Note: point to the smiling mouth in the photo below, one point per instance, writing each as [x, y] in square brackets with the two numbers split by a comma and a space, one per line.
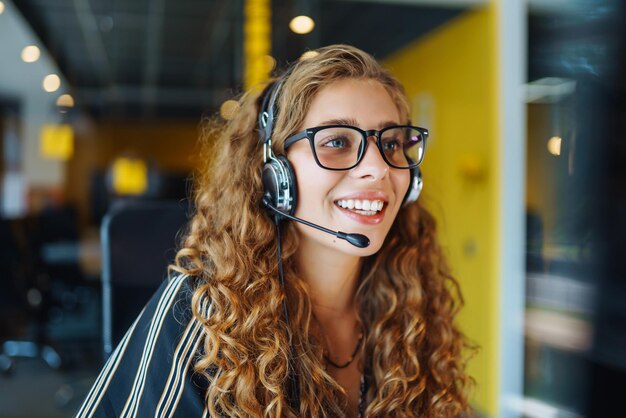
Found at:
[361, 206]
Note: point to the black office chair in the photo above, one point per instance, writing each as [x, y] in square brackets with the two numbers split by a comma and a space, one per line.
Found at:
[138, 243]
[25, 296]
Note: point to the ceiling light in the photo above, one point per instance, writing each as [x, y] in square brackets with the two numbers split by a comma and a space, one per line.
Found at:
[301, 24]
[1, 7]
[30, 53]
[229, 108]
[65, 100]
[308, 54]
[554, 145]
[51, 83]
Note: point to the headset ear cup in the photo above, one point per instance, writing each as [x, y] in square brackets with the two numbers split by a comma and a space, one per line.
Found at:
[279, 184]
[415, 187]
[291, 180]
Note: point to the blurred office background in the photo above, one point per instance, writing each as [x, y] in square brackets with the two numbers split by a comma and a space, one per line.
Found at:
[100, 110]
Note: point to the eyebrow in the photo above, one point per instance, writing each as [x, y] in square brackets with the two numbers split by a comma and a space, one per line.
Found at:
[353, 122]
[348, 121]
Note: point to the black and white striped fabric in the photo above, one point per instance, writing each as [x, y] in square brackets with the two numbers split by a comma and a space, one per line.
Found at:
[150, 373]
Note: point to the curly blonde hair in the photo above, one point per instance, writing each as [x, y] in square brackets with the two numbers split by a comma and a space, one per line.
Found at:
[406, 298]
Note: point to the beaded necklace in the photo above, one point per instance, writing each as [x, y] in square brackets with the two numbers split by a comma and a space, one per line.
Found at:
[350, 360]
[362, 395]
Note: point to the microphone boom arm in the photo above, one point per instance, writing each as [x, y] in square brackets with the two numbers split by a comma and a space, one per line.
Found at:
[358, 240]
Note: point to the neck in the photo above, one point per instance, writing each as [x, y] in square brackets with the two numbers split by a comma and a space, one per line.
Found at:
[333, 282]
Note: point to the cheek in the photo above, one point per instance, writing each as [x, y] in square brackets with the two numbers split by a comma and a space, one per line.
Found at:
[401, 182]
[311, 180]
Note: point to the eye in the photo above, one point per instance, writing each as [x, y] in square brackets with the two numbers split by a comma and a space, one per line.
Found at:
[391, 145]
[336, 142]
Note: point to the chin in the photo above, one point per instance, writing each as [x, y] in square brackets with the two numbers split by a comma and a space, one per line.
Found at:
[371, 249]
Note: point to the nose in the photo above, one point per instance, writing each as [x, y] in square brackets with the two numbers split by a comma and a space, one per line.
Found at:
[372, 165]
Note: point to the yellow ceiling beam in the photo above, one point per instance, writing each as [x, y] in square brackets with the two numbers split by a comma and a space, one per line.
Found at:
[257, 35]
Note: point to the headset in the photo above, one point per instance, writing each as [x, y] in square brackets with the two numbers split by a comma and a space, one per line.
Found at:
[278, 176]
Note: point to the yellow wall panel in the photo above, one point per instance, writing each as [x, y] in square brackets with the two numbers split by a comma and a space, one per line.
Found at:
[451, 77]
[57, 141]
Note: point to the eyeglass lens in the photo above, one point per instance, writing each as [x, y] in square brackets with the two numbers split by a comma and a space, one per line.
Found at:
[339, 147]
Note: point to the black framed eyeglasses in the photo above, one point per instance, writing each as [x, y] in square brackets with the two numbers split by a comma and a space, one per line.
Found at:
[342, 147]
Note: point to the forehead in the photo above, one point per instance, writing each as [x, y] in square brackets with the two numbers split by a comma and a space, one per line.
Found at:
[366, 102]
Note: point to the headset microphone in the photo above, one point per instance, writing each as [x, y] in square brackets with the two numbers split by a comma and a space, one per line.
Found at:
[358, 240]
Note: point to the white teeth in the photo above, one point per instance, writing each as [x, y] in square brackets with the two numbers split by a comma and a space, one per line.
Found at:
[363, 207]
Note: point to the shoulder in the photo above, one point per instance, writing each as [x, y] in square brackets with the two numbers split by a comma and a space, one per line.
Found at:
[172, 304]
[150, 373]
[172, 301]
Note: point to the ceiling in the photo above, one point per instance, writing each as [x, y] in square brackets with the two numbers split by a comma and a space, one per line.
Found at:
[167, 58]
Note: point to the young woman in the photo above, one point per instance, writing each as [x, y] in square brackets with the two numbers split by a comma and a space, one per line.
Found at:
[270, 317]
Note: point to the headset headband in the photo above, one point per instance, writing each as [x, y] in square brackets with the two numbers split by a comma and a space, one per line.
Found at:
[267, 114]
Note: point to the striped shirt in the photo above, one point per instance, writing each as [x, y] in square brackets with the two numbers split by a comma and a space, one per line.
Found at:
[150, 373]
